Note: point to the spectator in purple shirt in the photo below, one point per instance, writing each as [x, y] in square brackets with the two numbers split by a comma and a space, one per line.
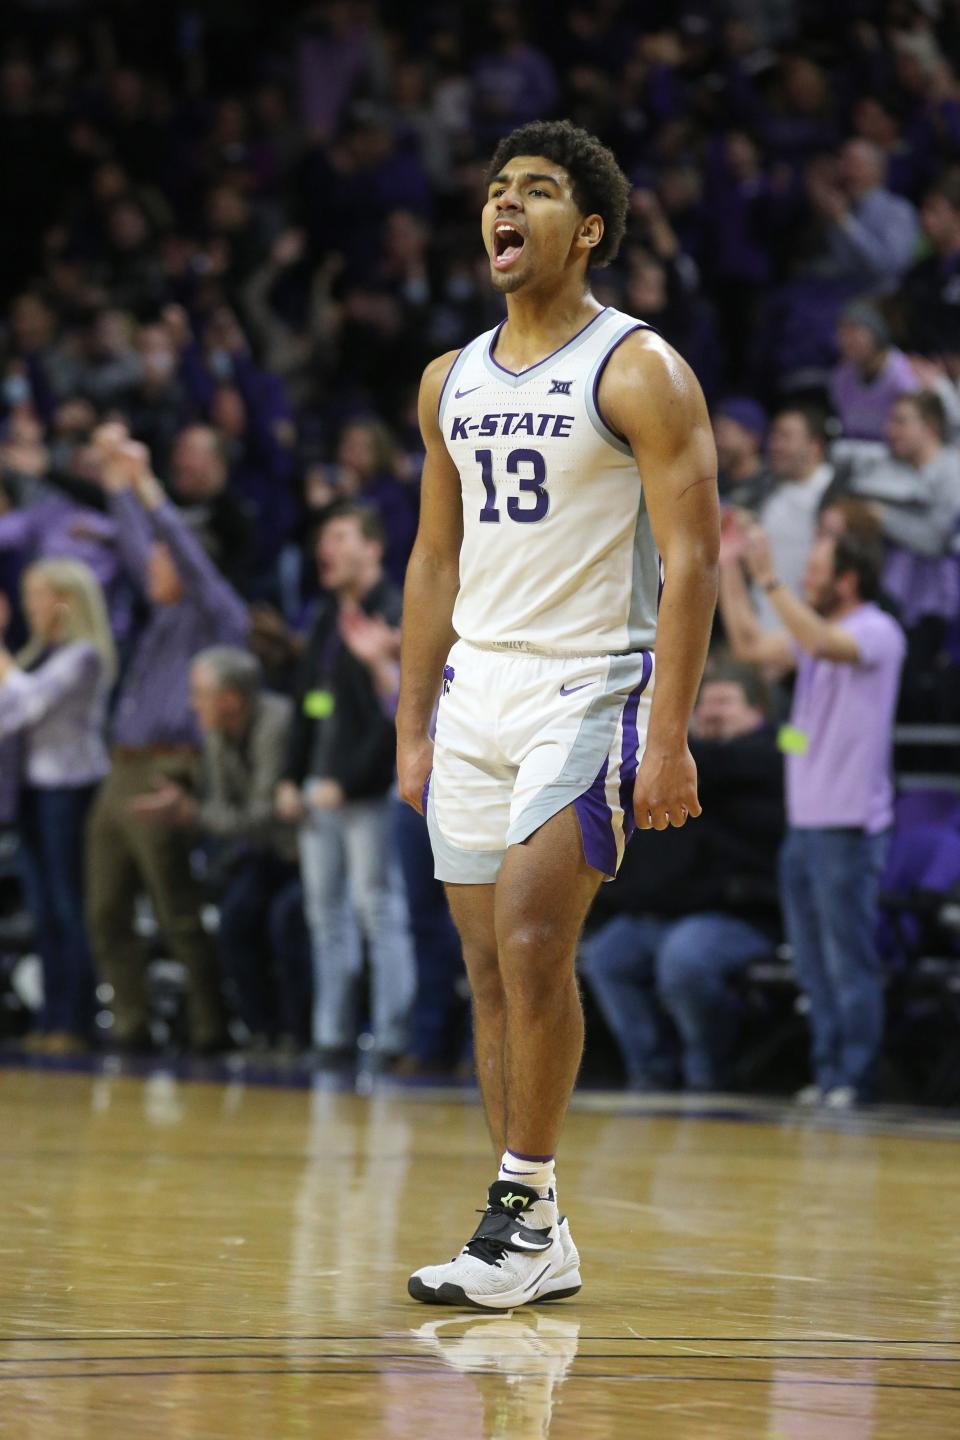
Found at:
[155, 739]
[848, 654]
[53, 698]
[872, 373]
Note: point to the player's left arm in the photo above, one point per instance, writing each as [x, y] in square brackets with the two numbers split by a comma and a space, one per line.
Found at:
[651, 396]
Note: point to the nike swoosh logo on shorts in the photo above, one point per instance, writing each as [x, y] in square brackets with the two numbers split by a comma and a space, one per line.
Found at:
[574, 688]
[459, 394]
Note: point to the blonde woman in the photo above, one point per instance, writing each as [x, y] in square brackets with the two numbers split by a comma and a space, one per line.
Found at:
[53, 697]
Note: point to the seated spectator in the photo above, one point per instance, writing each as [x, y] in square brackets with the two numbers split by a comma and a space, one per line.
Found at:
[880, 119]
[738, 260]
[871, 374]
[198, 480]
[694, 913]
[42, 358]
[868, 234]
[848, 655]
[109, 363]
[513, 81]
[154, 738]
[929, 297]
[155, 403]
[368, 473]
[917, 494]
[249, 410]
[797, 457]
[663, 293]
[253, 857]
[53, 695]
[337, 786]
[856, 239]
[740, 429]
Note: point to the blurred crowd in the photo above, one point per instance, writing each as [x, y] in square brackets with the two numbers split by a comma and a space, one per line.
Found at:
[240, 233]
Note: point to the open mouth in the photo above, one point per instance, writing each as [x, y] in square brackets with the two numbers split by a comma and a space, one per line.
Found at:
[507, 244]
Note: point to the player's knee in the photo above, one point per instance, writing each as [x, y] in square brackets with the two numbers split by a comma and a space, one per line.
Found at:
[532, 954]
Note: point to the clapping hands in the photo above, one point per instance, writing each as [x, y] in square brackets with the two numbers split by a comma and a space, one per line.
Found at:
[368, 637]
[742, 540]
[125, 464]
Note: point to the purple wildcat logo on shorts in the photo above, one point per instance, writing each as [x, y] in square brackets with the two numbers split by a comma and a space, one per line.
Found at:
[448, 678]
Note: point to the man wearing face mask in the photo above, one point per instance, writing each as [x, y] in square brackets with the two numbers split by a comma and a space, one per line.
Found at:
[157, 405]
[154, 738]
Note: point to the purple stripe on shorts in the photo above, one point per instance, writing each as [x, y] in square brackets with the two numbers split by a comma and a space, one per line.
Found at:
[596, 825]
[426, 792]
[631, 744]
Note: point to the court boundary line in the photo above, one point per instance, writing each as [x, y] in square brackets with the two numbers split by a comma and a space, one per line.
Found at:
[447, 1371]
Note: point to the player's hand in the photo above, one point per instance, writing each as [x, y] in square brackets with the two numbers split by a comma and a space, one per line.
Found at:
[414, 763]
[665, 790]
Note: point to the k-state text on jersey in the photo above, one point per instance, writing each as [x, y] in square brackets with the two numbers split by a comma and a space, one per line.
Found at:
[557, 427]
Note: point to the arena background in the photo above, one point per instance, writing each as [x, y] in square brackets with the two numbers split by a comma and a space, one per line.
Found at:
[241, 231]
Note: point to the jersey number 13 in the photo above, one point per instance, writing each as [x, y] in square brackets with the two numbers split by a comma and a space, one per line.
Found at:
[530, 469]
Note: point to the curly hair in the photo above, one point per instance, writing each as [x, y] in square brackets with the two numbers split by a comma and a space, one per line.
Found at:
[599, 185]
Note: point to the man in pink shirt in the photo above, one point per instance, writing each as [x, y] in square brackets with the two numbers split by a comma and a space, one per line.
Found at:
[848, 654]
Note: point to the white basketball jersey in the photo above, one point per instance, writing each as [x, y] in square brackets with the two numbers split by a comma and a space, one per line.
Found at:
[557, 550]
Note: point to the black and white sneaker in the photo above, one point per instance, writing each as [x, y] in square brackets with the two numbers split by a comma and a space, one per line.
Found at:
[515, 1256]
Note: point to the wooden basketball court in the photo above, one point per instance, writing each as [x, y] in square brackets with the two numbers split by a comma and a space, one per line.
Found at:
[202, 1260]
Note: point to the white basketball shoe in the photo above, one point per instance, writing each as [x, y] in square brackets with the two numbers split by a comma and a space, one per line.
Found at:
[520, 1253]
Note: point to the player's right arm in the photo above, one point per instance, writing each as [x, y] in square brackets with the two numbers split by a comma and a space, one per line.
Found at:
[430, 590]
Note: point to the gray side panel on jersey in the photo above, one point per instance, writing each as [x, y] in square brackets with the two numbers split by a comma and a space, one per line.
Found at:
[455, 866]
[593, 331]
[591, 386]
[645, 578]
[644, 584]
[588, 751]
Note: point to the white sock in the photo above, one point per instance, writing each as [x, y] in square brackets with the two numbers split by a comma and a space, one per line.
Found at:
[537, 1173]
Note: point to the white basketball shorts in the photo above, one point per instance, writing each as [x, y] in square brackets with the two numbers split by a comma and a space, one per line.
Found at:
[519, 737]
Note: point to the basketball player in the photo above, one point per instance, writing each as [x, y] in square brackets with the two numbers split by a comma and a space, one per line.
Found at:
[568, 453]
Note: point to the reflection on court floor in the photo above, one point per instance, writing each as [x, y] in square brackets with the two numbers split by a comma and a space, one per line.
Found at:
[226, 1259]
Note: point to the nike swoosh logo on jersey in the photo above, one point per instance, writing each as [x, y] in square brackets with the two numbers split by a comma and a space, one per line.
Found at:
[574, 688]
[459, 394]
